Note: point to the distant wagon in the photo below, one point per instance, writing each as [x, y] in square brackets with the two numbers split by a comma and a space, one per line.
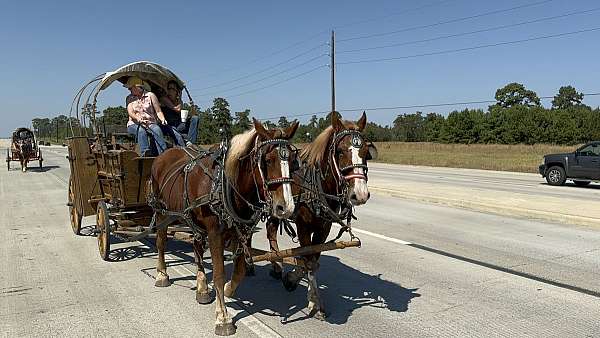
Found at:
[23, 148]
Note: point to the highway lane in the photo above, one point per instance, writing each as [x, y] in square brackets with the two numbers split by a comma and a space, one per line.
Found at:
[511, 182]
[56, 284]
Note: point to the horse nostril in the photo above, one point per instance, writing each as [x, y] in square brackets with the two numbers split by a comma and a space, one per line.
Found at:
[279, 208]
[353, 197]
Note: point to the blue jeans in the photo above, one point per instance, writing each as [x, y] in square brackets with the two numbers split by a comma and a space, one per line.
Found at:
[168, 130]
[142, 138]
[193, 130]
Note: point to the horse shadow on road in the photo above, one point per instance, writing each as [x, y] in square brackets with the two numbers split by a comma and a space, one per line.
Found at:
[343, 290]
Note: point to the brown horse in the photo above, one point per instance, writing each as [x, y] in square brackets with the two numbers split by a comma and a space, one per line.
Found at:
[256, 176]
[337, 159]
[23, 143]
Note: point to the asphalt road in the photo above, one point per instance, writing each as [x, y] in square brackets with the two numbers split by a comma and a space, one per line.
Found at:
[423, 270]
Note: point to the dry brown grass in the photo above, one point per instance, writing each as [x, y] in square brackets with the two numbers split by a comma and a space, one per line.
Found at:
[520, 157]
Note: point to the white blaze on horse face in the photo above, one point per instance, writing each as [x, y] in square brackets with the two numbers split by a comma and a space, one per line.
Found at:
[287, 188]
[360, 185]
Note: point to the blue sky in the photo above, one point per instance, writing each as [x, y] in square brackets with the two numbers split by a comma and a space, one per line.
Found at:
[49, 48]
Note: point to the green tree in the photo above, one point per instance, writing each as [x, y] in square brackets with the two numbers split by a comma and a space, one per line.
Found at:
[516, 94]
[115, 116]
[433, 125]
[409, 127]
[283, 122]
[242, 121]
[567, 97]
[222, 115]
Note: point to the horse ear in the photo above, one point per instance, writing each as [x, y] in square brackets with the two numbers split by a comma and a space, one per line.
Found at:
[260, 129]
[336, 122]
[291, 130]
[362, 123]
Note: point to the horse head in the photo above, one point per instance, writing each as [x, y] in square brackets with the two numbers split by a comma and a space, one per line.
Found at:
[273, 158]
[349, 155]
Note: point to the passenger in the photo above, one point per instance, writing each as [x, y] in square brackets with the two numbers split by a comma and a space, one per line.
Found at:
[145, 116]
[172, 106]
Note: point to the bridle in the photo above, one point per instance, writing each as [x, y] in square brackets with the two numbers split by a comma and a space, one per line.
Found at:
[284, 148]
[357, 142]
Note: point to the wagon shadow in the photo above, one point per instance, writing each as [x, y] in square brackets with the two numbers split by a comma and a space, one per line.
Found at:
[343, 290]
[43, 169]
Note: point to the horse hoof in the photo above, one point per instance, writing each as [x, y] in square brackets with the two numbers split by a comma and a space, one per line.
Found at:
[227, 290]
[204, 298]
[162, 282]
[289, 284]
[275, 274]
[320, 315]
[224, 329]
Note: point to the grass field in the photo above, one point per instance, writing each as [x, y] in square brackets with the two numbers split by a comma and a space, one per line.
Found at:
[520, 157]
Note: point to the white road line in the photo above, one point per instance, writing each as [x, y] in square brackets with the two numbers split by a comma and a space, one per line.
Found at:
[372, 234]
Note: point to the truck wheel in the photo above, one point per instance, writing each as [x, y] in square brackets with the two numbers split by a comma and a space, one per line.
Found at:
[556, 176]
[581, 183]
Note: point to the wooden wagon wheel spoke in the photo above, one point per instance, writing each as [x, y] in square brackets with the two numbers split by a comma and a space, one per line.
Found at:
[103, 230]
[73, 212]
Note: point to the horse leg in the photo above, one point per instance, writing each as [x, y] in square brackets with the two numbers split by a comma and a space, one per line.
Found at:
[277, 267]
[292, 278]
[239, 272]
[223, 323]
[162, 279]
[202, 292]
[315, 305]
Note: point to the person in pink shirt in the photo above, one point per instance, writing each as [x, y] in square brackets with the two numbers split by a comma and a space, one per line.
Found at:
[145, 116]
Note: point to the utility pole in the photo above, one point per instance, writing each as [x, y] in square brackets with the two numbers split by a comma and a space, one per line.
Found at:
[57, 130]
[332, 70]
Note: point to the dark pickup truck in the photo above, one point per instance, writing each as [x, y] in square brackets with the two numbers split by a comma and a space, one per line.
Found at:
[581, 166]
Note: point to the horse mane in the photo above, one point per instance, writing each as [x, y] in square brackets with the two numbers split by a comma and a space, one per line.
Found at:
[315, 152]
[241, 145]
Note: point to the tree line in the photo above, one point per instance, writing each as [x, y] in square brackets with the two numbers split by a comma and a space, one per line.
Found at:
[516, 117]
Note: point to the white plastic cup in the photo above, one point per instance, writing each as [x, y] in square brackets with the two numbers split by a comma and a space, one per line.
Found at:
[184, 115]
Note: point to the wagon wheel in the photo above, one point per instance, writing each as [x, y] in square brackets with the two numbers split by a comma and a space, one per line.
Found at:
[103, 230]
[75, 216]
[40, 157]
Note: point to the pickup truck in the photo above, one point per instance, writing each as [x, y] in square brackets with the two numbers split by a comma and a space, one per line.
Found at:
[582, 166]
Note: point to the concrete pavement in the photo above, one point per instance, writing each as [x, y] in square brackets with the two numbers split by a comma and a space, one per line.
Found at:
[504, 193]
[54, 283]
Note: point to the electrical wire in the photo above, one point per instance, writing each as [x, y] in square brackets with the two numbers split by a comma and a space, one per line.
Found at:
[471, 32]
[449, 51]
[266, 77]
[432, 105]
[263, 70]
[279, 82]
[445, 22]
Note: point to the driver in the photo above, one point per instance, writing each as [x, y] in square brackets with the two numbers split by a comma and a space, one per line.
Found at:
[145, 116]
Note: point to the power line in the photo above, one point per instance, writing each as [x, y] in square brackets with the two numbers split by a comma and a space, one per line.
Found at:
[471, 48]
[446, 22]
[279, 51]
[265, 69]
[432, 105]
[415, 9]
[278, 82]
[470, 32]
[266, 77]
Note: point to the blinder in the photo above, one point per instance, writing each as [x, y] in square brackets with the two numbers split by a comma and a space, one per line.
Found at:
[357, 142]
[283, 152]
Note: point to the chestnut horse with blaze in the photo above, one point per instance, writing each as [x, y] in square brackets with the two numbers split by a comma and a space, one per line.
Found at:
[256, 171]
[334, 170]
